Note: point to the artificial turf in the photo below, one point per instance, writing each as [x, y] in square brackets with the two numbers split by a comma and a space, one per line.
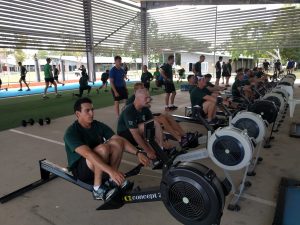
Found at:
[14, 110]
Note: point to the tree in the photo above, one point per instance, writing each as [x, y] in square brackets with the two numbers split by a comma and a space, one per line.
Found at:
[262, 39]
[20, 55]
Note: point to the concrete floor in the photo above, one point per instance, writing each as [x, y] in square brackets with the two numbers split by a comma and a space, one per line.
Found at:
[61, 203]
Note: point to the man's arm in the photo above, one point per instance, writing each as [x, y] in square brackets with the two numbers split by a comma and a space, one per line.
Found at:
[131, 149]
[163, 73]
[142, 143]
[194, 69]
[111, 80]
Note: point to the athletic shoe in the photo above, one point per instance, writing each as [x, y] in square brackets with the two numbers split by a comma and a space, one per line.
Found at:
[63, 84]
[213, 121]
[20, 90]
[58, 95]
[124, 186]
[28, 89]
[50, 87]
[167, 109]
[45, 97]
[173, 107]
[103, 193]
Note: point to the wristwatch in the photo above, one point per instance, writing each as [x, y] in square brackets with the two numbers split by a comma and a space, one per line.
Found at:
[139, 151]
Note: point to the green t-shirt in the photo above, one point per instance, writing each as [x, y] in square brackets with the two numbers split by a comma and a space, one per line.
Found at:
[130, 100]
[197, 67]
[168, 70]
[237, 84]
[76, 136]
[191, 88]
[47, 71]
[156, 75]
[146, 77]
[104, 76]
[197, 96]
[130, 118]
[209, 84]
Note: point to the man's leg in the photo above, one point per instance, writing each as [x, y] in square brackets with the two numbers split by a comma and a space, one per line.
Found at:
[89, 89]
[173, 97]
[103, 152]
[227, 80]
[162, 120]
[46, 87]
[116, 106]
[217, 81]
[210, 109]
[20, 81]
[55, 86]
[167, 99]
[116, 152]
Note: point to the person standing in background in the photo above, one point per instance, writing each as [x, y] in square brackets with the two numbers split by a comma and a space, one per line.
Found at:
[118, 84]
[146, 77]
[23, 77]
[218, 67]
[56, 73]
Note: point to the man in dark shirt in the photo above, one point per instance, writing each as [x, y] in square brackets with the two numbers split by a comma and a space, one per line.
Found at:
[277, 66]
[132, 119]
[191, 81]
[23, 73]
[83, 82]
[117, 82]
[104, 79]
[93, 149]
[56, 73]
[241, 86]
[197, 68]
[201, 96]
[146, 77]
[228, 74]
[266, 66]
[218, 67]
[167, 73]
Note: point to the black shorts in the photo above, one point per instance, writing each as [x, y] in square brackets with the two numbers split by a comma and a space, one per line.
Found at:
[82, 172]
[225, 75]
[23, 78]
[218, 75]
[104, 81]
[128, 136]
[147, 85]
[56, 78]
[123, 94]
[169, 87]
[51, 80]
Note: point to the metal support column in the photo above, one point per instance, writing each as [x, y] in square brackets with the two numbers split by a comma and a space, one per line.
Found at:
[62, 69]
[215, 44]
[89, 39]
[37, 69]
[144, 44]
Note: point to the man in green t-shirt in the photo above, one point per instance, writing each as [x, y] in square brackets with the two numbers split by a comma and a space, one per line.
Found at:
[167, 72]
[93, 149]
[146, 77]
[201, 96]
[131, 123]
[49, 78]
[211, 87]
[191, 81]
[197, 68]
[241, 87]
[104, 79]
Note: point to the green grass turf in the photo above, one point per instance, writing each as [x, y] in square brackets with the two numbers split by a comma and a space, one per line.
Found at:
[14, 110]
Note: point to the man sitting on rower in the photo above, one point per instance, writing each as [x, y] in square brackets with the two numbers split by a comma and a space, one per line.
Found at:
[166, 121]
[93, 149]
[201, 96]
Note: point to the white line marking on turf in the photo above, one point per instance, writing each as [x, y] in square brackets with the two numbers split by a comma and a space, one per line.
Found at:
[63, 144]
[37, 137]
[259, 200]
